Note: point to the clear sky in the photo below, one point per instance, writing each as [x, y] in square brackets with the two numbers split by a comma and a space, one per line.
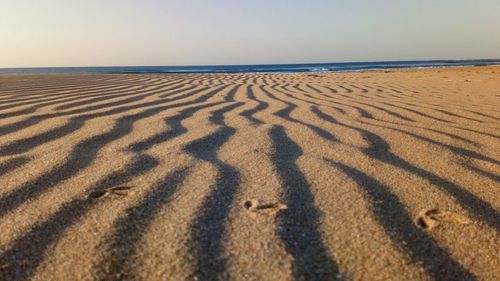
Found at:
[197, 32]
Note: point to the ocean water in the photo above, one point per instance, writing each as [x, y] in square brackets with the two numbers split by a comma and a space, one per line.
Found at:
[269, 68]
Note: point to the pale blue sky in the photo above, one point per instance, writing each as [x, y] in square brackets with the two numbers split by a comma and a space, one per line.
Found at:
[196, 32]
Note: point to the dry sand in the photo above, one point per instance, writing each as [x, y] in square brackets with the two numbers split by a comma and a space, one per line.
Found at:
[342, 176]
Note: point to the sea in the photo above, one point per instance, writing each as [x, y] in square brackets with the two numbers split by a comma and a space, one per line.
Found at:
[264, 68]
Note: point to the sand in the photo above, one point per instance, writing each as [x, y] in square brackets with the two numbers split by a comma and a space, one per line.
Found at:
[384, 175]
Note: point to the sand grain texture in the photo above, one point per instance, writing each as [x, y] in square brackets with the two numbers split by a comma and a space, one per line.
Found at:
[332, 176]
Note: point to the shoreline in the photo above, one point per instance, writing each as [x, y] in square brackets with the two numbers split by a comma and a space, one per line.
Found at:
[265, 69]
[387, 70]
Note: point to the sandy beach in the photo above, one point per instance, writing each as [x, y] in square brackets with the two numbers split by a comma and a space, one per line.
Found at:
[381, 175]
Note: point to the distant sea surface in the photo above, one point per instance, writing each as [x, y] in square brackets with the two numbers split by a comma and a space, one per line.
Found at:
[317, 67]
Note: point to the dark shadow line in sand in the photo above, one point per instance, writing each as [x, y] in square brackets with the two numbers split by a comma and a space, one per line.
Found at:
[24, 111]
[175, 124]
[478, 132]
[284, 92]
[26, 144]
[191, 87]
[457, 115]
[331, 89]
[82, 155]
[76, 94]
[26, 253]
[128, 230]
[414, 111]
[175, 127]
[75, 123]
[399, 226]
[208, 228]
[455, 149]
[389, 112]
[391, 89]
[313, 88]
[379, 149]
[135, 96]
[217, 117]
[441, 120]
[349, 91]
[41, 104]
[13, 164]
[429, 116]
[298, 89]
[285, 114]
[327, 99]
[483, 114]
[430, 106]
[482, 172]
[450, 135]
[56, 96]
[298, 225]
[364, 113]
[160, 87]
[363, 90]
[33, 92]
[33, 120]
[115, 109]
[453, 136]
[131, 227]
[232, 93]
[19, 125]
[249, 114]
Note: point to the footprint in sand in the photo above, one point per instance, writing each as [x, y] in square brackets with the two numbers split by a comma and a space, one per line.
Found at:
[117, 190]
[255, 207]
[431, 218]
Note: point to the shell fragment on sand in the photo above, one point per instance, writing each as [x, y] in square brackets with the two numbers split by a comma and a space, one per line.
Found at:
[254, 207]
[431, 218]
[117, 190]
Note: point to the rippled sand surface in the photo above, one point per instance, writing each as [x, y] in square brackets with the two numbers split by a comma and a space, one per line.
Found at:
[338, 176]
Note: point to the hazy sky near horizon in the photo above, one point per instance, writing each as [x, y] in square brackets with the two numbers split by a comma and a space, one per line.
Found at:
[197, 32]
